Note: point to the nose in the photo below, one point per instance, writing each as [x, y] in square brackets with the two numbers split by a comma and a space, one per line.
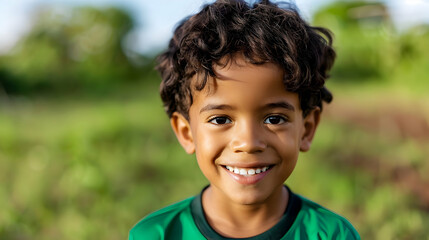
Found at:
[248, 137]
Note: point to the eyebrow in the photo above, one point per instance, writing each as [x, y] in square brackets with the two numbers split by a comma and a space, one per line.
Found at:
[215, 107]
[280, 104]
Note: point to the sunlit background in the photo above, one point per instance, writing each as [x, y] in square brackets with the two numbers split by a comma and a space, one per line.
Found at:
[86, 149]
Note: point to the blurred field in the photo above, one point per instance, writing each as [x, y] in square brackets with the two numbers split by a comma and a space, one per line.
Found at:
[88, 157]
[369, 162]
[90, 168]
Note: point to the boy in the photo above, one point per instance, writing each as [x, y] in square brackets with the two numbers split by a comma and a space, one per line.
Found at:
[243, 87]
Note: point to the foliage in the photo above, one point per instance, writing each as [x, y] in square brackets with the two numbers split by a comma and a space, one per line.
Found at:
[89, 166]
[85, 169]
[367, 43]
[70, 49]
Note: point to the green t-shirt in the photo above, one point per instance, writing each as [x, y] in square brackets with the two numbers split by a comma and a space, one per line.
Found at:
[303, 219]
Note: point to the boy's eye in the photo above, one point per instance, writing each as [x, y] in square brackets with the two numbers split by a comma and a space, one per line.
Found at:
[274, 120]
[220, 120]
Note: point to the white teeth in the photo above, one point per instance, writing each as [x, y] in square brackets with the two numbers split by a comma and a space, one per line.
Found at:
[245, 172]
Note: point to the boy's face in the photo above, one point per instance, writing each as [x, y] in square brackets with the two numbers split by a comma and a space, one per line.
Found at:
[246, 131]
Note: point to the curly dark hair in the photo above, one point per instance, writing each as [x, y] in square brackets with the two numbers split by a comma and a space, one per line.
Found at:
[262, 32]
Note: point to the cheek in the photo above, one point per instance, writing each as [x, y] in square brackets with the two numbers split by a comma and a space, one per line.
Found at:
[209, 143]
[287, 144]
[209, 147]
[288, 137]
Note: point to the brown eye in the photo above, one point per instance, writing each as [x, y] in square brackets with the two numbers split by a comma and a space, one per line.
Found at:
[220, 120]
[274, 120]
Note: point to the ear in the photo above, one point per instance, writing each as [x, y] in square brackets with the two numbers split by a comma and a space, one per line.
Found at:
[311, 121]
[182, 129]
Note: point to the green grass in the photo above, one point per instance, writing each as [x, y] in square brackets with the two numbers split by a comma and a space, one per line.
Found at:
[87, 169]
[90, 168]
[331, 174]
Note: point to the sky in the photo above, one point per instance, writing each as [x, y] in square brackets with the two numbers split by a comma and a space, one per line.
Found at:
[155, 19]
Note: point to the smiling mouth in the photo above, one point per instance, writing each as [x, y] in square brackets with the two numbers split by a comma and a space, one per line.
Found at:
[248, 171]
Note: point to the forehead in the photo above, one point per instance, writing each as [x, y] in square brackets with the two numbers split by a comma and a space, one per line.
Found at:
[240, 70]
[244, 76]
[242, 85]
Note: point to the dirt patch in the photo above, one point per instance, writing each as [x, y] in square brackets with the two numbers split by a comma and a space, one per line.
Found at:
[405, 178]
[393, 122]
[387, 120]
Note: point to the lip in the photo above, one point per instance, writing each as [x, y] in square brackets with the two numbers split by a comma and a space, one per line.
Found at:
[247, 165]
[248, 180]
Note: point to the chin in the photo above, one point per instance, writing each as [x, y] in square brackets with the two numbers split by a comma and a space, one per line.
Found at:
[249, 198]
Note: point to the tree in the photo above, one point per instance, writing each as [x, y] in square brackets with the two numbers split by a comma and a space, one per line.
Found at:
[79, 48]
[364, 39]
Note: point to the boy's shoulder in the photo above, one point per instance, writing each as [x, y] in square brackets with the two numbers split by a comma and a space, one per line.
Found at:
[165, 222]
[312, 222]
[321, 223]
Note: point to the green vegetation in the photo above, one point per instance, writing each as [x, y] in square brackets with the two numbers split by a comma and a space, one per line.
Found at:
[80, 50]
[87, 157]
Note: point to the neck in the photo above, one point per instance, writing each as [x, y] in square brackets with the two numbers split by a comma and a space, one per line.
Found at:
[235, 220]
